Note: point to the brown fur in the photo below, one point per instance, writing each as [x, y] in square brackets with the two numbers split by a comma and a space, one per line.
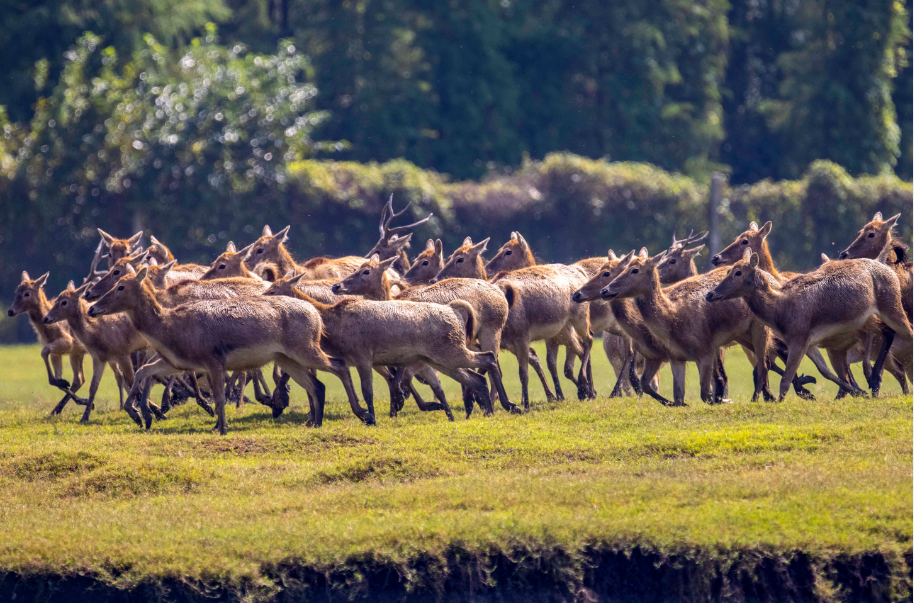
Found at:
[839, 297]
[465, 262]
[426, 265]
[56, 340]
[271, 248]
[119, 248]
[754, 239]
[109, 340]
[213, 336]
[231, 264]
[513, 255]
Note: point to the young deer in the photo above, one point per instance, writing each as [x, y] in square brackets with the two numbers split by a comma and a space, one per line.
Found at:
[488, 302]
[119, 248]
[566, 328]
[393, 243]
[56, 340]
[426, 265]
[235, 334]
[109, 339]
[839, 297]
[876, 242]
[231, 263]
[390, 333]
[690, 329]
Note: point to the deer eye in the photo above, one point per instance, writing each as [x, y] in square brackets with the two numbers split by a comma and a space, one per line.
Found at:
[425, 263]
[871, 235]
[605, 275]
[672, 261]
[221, 266]
[508, 252]
[459, 260]
[116, 272]
[260, 250]
[366, 273]
[63, 303]
[739, 273]
[745, 242]
[121, 288]
[635, 271]
[26, 294]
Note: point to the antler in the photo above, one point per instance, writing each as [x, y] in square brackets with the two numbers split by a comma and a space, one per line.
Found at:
[93, 273]
[692, 238]
[387, 216]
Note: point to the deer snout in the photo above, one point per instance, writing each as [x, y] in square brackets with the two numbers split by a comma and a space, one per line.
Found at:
[842, 255]
[10, 312]
[433, 281]
[605, 293]
[46, 320]
[88, 296]
[716, 260]
[576, 297]
[712, 296]
[336, 288]
[91, 312]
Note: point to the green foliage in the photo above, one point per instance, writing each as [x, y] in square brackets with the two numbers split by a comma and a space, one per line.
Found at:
[722, 490]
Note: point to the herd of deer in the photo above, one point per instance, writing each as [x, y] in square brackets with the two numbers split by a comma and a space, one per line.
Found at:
[154, 320]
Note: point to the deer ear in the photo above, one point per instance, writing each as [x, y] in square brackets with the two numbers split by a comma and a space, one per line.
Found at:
[295, 278]
[439, 247]
[691, 253]
[83, 288]
[890, 223]
[25, 276]
[107, 238]
[168, 266]
[824, 258]
[514, 236]
[283, 234]
[765, 230]
[246, 252]
[289, 273]
[266, 231]
[611, 255]
[152, 262]
[141, 275]
[387, 263]
[480, 247]
[375, 259]
[138, 259]
[877, 217]
[135, 239]
[657, 258]
[747, 253]
[71, 286]
[403, 241]
[41, 280]
[642, 253]
[467, 242]
[130, 269]
[230, 247]
[522, 240]
[430, 245]
[753, 261]
[753, 225]
[627, 257]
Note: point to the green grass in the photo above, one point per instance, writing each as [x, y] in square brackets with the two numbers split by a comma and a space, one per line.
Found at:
[830, 479]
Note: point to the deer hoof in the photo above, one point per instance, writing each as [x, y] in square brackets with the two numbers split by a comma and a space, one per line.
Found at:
[805, 379]
[369, 419]
[277, 411]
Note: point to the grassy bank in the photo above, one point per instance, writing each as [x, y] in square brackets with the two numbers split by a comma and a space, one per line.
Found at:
[603, 499]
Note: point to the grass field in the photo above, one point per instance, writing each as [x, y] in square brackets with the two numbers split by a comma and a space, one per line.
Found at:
[602, 500]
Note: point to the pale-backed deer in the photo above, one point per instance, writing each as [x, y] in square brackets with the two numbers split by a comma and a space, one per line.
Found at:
[235, 334]
[56, 340]
[690, 329]
[118, 248]
[109, 340]
[488, 301]
[466, 262]
[839, 297]
[390, 333]
[394, 239]
[427, 264]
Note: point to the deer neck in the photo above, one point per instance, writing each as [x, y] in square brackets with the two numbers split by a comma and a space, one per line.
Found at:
[79, 325]
[479, 269]
[37, 313]
[383, 293]
[148, 316]
[402, 263]
[765, 298]
[654, 305]
[284, 260]
[765, 262]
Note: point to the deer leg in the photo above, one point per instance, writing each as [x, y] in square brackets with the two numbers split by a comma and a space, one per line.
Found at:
[473, 381]
[552, 352]
[76, 365]
[126, 367]
[621, 375]
[216, 376]
[647, 382]
[795, 353]
[678, 369]
[706, 377]
[721, 382]
[339, 368]
[865, 357]
[534, 360]
[429, 377]
[816, 356]
[365, 380]
[199, 396]
[894, 367]
[49, 355]
[166, 394]
[633, 378]
[875, 380]
[98, 369]
[522, 351]
[143, 381]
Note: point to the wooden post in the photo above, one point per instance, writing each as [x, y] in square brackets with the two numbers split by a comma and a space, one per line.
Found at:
[717, 193]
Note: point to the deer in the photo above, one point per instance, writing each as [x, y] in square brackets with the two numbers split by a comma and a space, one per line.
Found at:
[876, 242]
[689, 328]
[466, 262]
[118, 248]
[231, 263]
[163, 256]
[56, 340]
[427, 264]
[109, 340]
[214, 336]
[839, 297]
[393, 243]
[367, 333]
[489, 304]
